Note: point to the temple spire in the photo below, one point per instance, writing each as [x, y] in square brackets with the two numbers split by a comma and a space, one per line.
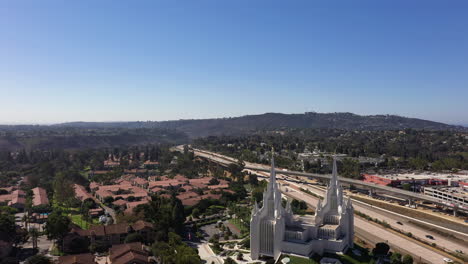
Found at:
[334, 177]
[273, 172]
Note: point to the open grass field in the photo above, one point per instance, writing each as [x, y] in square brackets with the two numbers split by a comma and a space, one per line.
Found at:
[78, 220]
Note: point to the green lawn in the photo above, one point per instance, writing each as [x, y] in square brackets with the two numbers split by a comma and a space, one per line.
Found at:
[350, 258]
[55, 251]
[77, 219]
[299, 260]
[237, 223]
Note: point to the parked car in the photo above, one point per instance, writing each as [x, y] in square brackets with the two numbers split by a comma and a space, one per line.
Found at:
[400, 223]
[430, 237]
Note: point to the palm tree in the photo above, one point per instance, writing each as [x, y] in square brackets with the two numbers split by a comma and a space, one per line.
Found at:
[26, 219]
[34, 235]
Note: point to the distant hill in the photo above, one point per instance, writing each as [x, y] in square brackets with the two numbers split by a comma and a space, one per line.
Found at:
[80, 135]
[13, 138]
[272, 121]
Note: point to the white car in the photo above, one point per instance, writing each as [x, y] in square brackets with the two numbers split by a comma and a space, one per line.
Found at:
[447, 260]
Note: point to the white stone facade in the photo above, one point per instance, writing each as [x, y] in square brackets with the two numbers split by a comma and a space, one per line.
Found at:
[275, 230]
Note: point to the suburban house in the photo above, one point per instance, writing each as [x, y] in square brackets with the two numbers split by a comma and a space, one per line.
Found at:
[39, 197]
[86, 258]
[115, 234]
[132, 253]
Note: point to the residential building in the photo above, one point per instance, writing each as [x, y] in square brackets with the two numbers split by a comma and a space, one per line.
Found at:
[115, 234]
[131, 253]
[39, 197]
[86, 258]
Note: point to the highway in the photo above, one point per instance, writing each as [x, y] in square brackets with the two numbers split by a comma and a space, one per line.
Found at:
[260, 167]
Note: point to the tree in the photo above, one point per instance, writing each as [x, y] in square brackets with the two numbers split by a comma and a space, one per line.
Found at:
[407, 259]
[381, 249]
[38, 259]
[34, 234]
[7, 227]
[75, 244]
[10, 260]
[253, 179]
[57, 226]
[257, 194]
[229, 260]
[134, 237]
[395, 258]
[213, 181]
[108, 200]
[196, 212]
[63, 189]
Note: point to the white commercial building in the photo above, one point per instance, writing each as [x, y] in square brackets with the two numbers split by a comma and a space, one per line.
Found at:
[274, 230]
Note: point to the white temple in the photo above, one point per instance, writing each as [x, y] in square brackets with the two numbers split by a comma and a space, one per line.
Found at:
[274, 230]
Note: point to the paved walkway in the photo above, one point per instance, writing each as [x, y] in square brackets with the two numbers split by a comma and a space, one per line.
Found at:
[206, 254]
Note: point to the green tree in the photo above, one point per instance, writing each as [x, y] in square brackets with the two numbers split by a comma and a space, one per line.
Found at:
[108, 200]
[134, 237]
[34, 234]
[57, 226]
[7, 227]
[395, 258]
[407, 259]
[38, 259]
[63, 189]
[229, 260]
[381, 249]
[196, 212]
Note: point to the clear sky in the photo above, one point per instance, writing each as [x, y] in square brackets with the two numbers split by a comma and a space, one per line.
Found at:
[160, 60]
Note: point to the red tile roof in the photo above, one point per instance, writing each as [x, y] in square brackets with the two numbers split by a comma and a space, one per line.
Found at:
[81, 193]
[40, 197]
[120, 202]
[120, 228]
[140, 181]
[128, 253]
[86, 258]
[186, 195]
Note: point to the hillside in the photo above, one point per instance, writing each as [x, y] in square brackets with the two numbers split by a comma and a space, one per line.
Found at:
[271, 121]
[79, 135]
[67, 138]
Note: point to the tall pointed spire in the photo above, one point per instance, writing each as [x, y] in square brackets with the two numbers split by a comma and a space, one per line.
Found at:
[334, 177]
[273, 172]
[255, 208]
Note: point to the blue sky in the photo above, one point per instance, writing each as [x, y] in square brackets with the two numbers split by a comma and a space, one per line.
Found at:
[159, 60]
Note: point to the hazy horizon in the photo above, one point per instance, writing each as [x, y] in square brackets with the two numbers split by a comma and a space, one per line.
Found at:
[162, 120]
[158, 61]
